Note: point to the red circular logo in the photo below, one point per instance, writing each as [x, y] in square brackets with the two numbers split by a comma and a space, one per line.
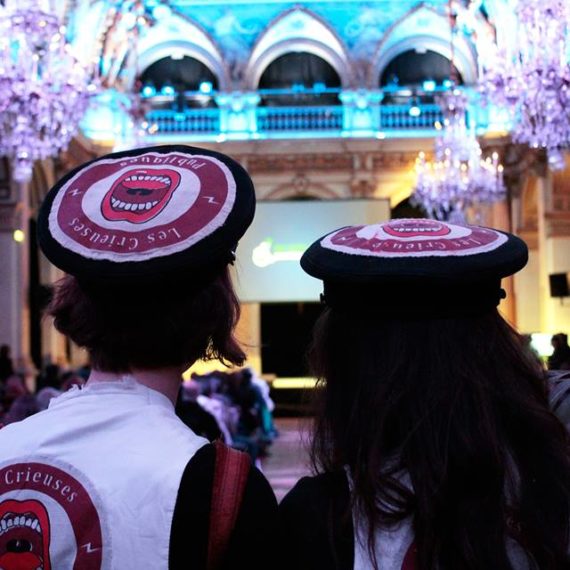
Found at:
[48, 520]
[414, 238]
[140, 207]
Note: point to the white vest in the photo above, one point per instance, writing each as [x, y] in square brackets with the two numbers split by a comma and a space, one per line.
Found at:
[394, 548]
[91, 482]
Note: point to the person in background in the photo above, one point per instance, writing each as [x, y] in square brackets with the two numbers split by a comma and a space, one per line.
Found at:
[6, 365]
[526, 340]
[19, 403]
[436, 445]
[267, 405]
[50, 377]
[108, 474]
[560, 358]
[200, 421]
[59, 384]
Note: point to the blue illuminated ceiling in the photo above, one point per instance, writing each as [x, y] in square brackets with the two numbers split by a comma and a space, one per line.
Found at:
[358, 23]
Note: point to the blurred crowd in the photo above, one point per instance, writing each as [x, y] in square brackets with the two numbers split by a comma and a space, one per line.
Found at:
[234, 406]
[238, 402]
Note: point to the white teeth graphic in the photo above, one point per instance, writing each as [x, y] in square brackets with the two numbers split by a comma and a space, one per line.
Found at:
[9, 521]
[408, 230]
[117, 204]
[163, 179]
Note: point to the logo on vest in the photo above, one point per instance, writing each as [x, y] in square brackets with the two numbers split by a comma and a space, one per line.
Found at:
[48, 520]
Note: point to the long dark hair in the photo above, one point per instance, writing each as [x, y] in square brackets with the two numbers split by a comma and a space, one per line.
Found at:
[459, 406]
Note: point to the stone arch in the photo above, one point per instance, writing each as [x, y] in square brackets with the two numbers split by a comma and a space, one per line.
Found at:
[423, 28]
[163, 40]
[297, 30]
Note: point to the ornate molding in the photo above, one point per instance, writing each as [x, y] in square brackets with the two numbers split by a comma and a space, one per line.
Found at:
[393, 160]
[300, 186]
[558, 227]
[279, 163]
[348, 162]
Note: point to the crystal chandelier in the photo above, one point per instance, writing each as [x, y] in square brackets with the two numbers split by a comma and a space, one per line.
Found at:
[45, 89]
[533, 81]
[459, 178]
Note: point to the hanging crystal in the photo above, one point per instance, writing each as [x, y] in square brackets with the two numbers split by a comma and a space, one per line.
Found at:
[533, 80]
[459, 178]
[45, 88]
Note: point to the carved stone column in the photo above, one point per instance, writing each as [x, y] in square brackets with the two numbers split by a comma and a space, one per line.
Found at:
[14, 278]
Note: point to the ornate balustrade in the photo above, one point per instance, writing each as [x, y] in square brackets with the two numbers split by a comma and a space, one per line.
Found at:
[282, 119]
[415, 117]
[250, 115]
[164, 121]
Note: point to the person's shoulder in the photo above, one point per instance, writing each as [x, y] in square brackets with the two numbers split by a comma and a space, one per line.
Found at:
[559, 394]
[315, 524]
[316, 492]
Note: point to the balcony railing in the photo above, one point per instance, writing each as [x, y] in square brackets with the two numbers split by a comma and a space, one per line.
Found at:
[292, 114]
[403, 117]
[282, 119]
[164, 121]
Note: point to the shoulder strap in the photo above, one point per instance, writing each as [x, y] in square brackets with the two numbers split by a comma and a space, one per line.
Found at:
[411, 558]
[230, 477]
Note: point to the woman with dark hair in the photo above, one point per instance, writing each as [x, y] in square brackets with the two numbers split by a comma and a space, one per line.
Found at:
[108, 476]
[434, 443]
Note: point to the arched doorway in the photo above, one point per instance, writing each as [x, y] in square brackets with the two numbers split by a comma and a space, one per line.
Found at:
[299, 79]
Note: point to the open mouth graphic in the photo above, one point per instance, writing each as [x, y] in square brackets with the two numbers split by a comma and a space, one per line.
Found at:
[139, 195]
[24, 536]
[415, 228]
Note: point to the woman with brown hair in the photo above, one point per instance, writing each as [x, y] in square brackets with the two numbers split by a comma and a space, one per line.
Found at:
[108, 476]
[434, 443]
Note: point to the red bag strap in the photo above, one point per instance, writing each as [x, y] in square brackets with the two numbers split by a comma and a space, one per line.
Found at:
[411, 558]
[230, 477]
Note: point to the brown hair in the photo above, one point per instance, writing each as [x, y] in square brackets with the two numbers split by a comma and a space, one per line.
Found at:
[149, 326]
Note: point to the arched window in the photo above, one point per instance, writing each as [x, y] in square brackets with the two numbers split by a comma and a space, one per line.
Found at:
[413, 68]
[180, 82]
[299, 79]
[421, 71]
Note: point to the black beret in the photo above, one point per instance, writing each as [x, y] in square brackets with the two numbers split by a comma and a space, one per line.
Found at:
[415, 267]
[146, 213]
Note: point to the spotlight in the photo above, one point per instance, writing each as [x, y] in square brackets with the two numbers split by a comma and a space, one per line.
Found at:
[148, 90]
[414, 111]
[19, 236]
[168, 90]
[205, 87]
